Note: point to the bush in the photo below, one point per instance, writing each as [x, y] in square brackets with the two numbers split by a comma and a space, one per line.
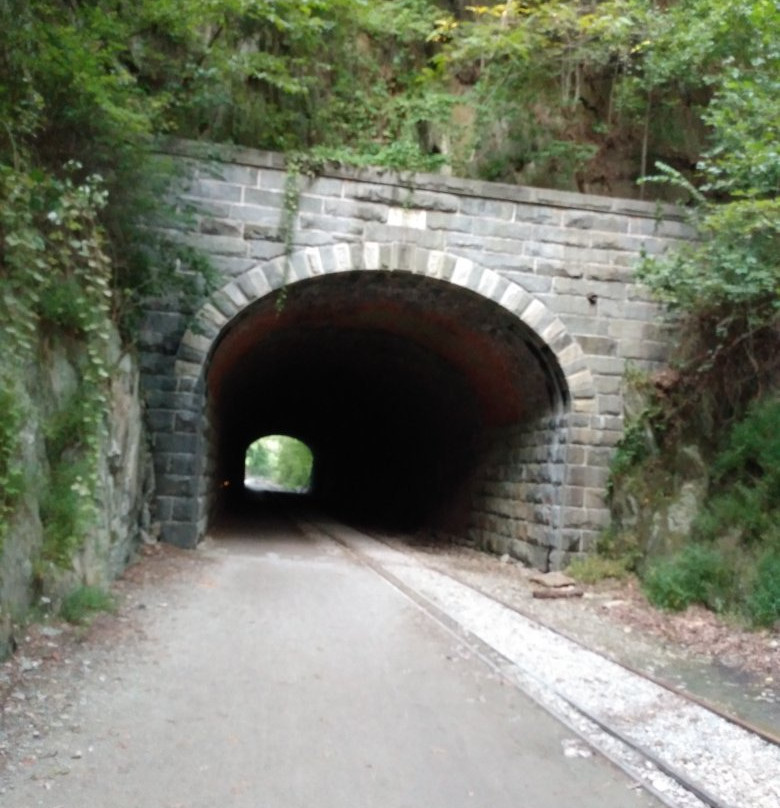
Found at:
[763, 603]
[81, 605]
[746, 475]
[697, 574]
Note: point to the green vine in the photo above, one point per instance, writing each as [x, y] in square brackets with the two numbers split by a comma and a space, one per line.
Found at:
[298, 164]
[56, 277]
[12, 482]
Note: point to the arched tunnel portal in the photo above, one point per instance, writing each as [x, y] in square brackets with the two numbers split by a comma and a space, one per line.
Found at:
[433, 393]
[402, 386]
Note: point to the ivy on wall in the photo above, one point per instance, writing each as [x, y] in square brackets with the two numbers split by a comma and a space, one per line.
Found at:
[56, 282]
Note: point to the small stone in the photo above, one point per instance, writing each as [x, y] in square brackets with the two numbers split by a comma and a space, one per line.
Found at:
[552, 579]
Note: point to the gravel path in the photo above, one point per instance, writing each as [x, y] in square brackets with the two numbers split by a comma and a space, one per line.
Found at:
[731, 766]
[282, 673]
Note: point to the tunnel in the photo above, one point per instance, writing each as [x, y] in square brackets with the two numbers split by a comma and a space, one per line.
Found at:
[405, 388]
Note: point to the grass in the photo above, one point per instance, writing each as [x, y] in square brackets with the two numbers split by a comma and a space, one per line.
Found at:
[595, 568]
[82, 605]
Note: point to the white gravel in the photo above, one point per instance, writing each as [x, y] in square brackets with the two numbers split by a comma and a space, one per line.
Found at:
[734, 767]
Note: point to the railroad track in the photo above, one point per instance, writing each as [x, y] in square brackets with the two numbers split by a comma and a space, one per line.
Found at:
[686, 752]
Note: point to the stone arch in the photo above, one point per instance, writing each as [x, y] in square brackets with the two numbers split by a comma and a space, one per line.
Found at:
[312, 262]
[568, 527]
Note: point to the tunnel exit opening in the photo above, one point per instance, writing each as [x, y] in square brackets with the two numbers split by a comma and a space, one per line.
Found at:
[278, 463]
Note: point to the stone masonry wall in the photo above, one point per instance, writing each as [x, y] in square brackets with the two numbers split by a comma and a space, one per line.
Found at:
[561, 262]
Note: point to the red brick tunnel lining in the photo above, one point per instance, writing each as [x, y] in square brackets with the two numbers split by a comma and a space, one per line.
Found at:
[392, 380]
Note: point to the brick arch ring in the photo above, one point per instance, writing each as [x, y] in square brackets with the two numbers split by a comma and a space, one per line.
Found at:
[313, 262]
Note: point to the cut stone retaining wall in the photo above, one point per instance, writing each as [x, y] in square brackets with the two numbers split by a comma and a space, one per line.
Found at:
[562, 263]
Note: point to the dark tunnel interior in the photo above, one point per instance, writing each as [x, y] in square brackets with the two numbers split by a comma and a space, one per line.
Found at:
[396, 383]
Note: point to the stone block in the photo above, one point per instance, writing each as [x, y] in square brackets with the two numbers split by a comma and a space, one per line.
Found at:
[180, 464]
[175, 443]
[184, 509]
[607, 365]
[595, 499]
[441, 221]
[348, 208]
[224, 304]
[254, 284]
[640, 312]
[608, 385]
[608, 273]
[610, 405]
[595, 221]
[272, 180]
[412, 218]
[588, 289]
[328, 186]
[232, 173]
[367, 192]
[221, 227]
[599, 456]
[586, 476]
[550, 252]
[230, 267]
[173, 485]
[537, 214]
[531, 555]
[573, 496]
[187, 422]
[644, 350]
[217, 245]
[486, 208]
[527, 280]
[311, 204]
[335, 226]
[180, 534]
[264, 198]
[160, 420]
[514, 232]
[491, 285]
[600, 346]
[581, 383]
[190, 209]
[215, 190]
[266, 231]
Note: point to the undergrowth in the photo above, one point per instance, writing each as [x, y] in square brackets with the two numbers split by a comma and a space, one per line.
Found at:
[732, 562]
[84, 603]
[12, 482]
[594, 568]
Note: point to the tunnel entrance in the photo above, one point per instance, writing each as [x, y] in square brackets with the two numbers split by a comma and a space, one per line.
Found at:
[416, 397]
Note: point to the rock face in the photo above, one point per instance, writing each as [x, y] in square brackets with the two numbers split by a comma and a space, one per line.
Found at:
[124, 481]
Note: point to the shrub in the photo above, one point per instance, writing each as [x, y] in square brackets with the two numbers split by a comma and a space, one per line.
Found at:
[82, 604]
[697, 574]
[763, 603]
[11, 474]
